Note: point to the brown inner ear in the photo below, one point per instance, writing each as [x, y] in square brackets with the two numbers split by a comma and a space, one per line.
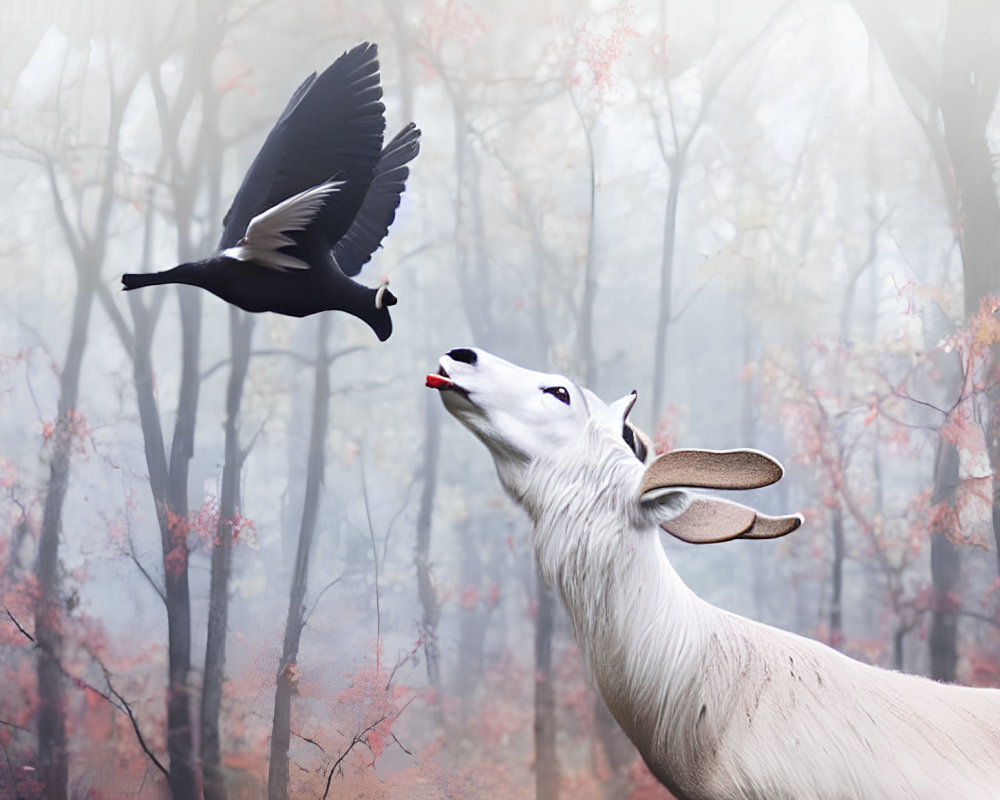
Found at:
[767, 527]
[708, 520]
[712, 469]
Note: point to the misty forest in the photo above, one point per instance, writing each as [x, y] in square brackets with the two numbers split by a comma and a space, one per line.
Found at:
[248, 554]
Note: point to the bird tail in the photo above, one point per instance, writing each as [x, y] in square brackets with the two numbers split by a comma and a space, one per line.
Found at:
[136, 280]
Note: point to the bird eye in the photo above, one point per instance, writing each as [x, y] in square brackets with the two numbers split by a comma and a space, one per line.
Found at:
[559, 392]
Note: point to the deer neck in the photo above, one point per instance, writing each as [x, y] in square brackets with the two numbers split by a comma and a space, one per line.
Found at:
[640, 629]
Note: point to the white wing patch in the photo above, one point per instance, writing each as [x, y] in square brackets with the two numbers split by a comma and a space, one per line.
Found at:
[267, 233]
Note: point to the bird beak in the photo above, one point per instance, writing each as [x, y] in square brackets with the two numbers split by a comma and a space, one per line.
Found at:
[383, 297]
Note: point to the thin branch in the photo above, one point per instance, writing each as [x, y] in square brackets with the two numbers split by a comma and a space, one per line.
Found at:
[145, 573]
[361, 387]
[124, 708]
[128, 710]
[687, 304]
[10, 765]
[280, 351]
[245, 452]
[206, 374]
[400, 744]
[399, 512]
[344, 351]
[21, 629]
[8, 724]
[978, 615]
[75, 247]
[313, 742]
[358, 738]
[117, 320]
[330, 585]
[371, 532]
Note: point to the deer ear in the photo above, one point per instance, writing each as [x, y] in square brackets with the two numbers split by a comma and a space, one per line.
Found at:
[767, 527]
[707, 520]
[712, 469]
[703, 520]
[618, 410]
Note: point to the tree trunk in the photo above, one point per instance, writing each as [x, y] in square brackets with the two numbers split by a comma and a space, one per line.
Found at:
[184, 772]
[277, 780]
[471, 625]
[240, 330]
[945, 572]
[837, 581]
[664, 312]
[993, 448]
[898, 644]
[169, 489]
[618, 749]
[963, 97]
[546, 758]
[970, 75]
[53, 756]
[422, 555]
[473, 276]
[586, 327]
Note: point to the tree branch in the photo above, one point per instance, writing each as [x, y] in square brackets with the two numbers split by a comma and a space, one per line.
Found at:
[117, 320]
[330, 585]
[357, 739]
[144, 571]
[128, 711]
[27, 635]
[280, 351]
[75, 248]
[124, 708]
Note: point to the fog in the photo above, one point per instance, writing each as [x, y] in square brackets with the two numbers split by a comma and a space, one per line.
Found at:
[777, 221]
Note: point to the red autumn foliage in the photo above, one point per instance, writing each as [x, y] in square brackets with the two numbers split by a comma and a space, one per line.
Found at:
[597, 54]
[73, 426]
[200, 529]
[468, 598]
[446, 23]
[983, 669]
[669, 430]
[645, 786]
[451, 21]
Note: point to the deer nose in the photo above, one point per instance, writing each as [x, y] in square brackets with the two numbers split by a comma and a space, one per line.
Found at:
[463, 354]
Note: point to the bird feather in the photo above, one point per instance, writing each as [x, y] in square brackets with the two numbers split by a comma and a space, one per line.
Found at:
[268, 232]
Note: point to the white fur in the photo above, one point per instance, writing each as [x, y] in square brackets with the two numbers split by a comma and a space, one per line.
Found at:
[718, 705]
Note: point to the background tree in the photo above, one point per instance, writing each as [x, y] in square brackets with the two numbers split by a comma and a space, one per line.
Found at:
[953, 103]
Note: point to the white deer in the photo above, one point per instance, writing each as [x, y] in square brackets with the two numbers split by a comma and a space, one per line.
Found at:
[718, 705]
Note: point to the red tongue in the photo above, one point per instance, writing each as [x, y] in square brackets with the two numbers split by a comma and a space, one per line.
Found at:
[437, 382]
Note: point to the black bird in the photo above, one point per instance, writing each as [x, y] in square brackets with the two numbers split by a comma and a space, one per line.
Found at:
[314, 205]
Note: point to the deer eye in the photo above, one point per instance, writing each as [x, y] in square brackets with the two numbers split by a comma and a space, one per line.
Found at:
[559, 392]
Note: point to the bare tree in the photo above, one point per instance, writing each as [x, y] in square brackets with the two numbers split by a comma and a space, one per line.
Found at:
[187, 177]
[86, 242]
[675, 151]
[277, 778]
[240, 332]
[952, 105]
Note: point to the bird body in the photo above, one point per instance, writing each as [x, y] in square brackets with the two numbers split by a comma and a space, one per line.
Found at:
[314, 205]
[260, 288]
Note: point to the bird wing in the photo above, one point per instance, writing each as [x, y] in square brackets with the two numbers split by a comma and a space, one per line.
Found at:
[371, 224]
[333, 124]
[267, 233]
